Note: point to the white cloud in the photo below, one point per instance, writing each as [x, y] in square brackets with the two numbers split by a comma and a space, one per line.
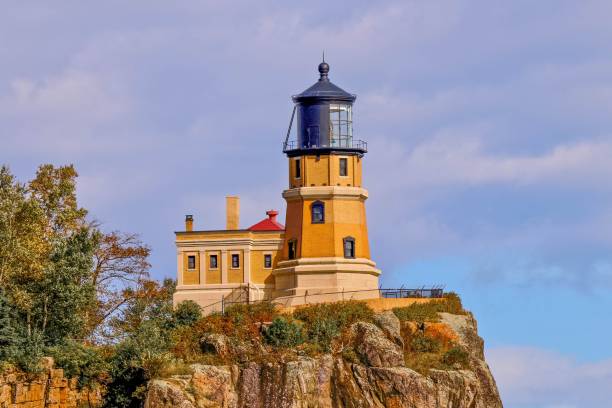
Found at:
[535, 378]
[448, 159]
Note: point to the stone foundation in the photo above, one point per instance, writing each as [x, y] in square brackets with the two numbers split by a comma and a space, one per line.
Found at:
[49, 389]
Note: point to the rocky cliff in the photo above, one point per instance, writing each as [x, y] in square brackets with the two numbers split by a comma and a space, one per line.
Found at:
[374, 374]
[47, 389]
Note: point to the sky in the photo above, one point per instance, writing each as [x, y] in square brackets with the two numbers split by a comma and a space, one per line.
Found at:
[489, 127]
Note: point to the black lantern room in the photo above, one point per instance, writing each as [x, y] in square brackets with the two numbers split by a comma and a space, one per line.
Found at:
[324, 120]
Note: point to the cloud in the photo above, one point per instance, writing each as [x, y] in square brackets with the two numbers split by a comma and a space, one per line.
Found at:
[535, 378]
[450, 159]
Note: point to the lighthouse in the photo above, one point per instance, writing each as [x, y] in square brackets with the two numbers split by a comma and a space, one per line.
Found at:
[326, 252]
[322, 253]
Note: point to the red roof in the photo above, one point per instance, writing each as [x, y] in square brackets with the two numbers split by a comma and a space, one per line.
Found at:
[268, 224]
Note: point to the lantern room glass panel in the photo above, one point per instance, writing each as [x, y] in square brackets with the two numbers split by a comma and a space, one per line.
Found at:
[341, 125]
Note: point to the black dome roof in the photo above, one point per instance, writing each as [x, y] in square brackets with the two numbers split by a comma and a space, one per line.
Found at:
[324, 90]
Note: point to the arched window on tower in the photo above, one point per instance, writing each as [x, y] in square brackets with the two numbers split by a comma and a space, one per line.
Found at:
[317, 210]
[349, 247]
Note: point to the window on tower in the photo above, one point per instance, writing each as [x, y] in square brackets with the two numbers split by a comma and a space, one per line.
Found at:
[340, 125]
[318, 212]
[235, 261]
[298, 168]
[343, 167]
[349, 247]
[292, 249]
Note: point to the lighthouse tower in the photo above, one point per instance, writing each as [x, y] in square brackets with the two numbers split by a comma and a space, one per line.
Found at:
[326, 253]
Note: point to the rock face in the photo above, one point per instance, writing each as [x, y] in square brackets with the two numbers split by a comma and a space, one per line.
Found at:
[379, 380]
[49, 389]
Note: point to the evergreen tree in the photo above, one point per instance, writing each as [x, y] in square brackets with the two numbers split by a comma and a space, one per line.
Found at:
[8, 333]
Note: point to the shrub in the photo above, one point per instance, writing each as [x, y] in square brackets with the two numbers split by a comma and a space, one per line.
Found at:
[78, 360]
[322, 332]
[187, 313]
[349, 355]
[421, 343]
[325, 321]
[344, 313]
[428, 311]
[258, 312]
[30, 352]
[453, 304]
[284, 333]
[441, 332]
[456, 355]
[423, 362]
[137, 359]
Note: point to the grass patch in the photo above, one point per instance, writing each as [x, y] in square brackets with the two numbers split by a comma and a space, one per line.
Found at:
[325, 322]
[428, 311]
[423, 362]
[456, 356]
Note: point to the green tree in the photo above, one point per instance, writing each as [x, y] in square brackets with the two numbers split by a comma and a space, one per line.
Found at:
[23, 246]
[144, 327]
[66, 291]
[9, 334]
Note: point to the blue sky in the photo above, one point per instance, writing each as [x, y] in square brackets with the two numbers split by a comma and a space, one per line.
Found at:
[489, 129]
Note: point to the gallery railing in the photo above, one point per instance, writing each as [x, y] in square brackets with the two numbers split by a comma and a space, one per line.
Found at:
[244, 295]
[343, 143]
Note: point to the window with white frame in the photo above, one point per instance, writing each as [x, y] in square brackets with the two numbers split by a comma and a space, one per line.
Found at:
[349, 247]
[340, 125]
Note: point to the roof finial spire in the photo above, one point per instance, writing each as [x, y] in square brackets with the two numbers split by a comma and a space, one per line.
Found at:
[323, 69]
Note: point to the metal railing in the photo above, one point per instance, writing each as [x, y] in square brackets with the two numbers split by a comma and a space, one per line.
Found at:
[242, 295]
[433, 292]
[335, 144]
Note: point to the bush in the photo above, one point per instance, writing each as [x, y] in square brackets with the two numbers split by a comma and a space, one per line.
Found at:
[187, 313]
[428, 311]
[323, 331]
[441, 332]
[78, 360]
[349, 355]
[137, 359]
[257, 312]
[423, 362]
[456, 355]
[424, 344]
[325, 321]
[284, 333]
[344, 313]
[453, 304]
[30, 352]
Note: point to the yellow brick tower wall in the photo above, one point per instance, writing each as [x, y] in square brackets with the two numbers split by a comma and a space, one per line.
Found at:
[345, 214]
